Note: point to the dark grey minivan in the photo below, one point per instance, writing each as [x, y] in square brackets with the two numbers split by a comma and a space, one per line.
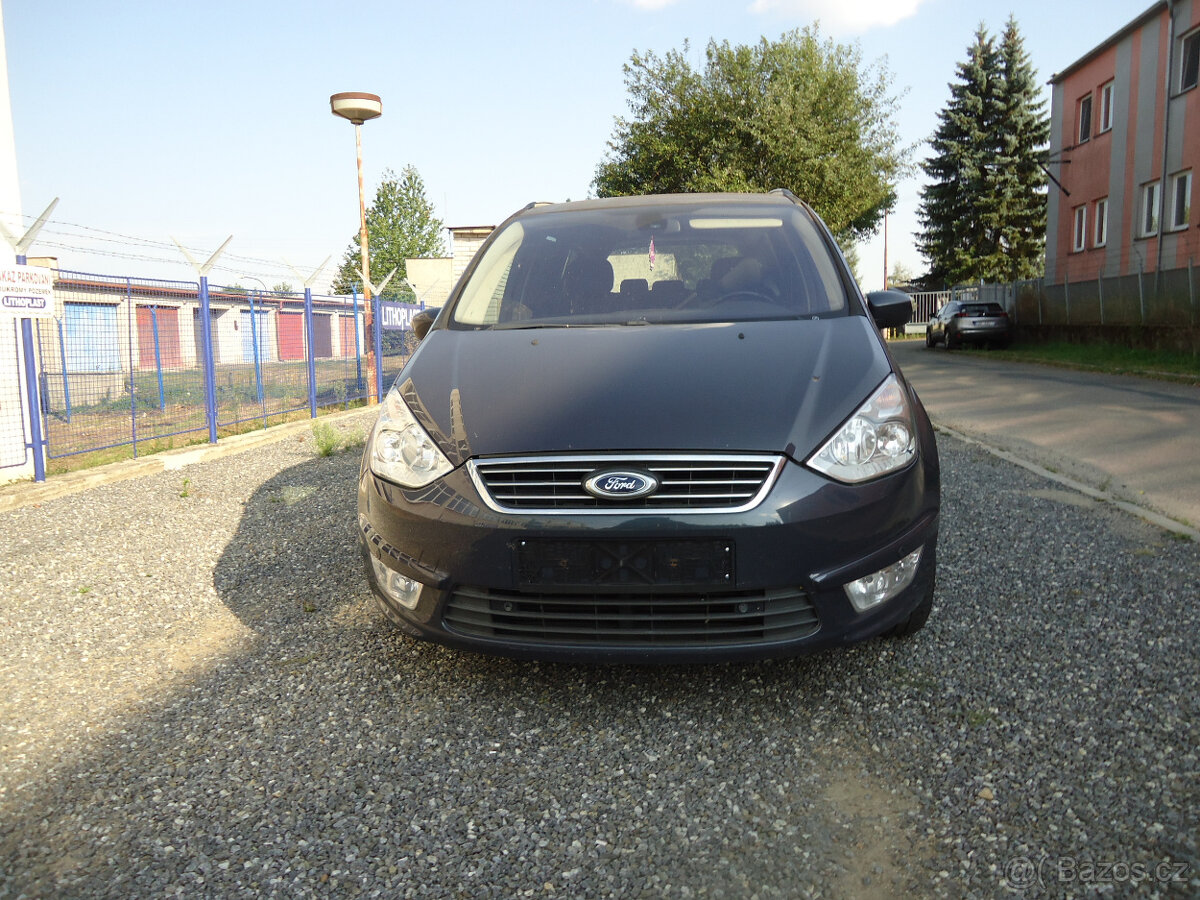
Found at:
[654, 429]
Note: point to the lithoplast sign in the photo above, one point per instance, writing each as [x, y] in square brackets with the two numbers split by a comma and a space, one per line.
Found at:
[26, 292]
[397, 316]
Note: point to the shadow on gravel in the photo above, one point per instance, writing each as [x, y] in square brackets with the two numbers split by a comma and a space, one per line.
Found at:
[336, 756]
[1048, 711]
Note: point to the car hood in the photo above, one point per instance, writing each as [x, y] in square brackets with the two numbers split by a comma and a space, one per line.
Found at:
[777, 386]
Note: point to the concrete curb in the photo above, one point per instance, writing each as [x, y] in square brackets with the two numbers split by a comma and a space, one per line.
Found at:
[1164, 522]
[26, 493]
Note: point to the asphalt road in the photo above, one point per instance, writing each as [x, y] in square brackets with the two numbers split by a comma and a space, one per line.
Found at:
[1135, 438]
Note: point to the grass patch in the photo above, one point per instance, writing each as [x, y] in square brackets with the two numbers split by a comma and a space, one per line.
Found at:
[326, 438]
[1118, 360]
[329, 440]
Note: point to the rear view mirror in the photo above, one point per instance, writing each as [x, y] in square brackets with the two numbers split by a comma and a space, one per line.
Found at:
[423, 321]
[890, 309]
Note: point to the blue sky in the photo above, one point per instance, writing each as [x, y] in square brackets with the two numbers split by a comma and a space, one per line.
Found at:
[155, 119]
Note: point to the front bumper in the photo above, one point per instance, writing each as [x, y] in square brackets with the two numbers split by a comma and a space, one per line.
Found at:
[797, 549]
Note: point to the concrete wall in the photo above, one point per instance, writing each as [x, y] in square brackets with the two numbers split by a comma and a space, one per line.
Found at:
[431, 279]
[15, 461]
[466, 242]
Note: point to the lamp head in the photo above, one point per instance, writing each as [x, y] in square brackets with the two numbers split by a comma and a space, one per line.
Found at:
[356, 106]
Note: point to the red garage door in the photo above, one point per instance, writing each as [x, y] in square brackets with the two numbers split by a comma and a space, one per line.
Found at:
[291, 335]
[164, 320]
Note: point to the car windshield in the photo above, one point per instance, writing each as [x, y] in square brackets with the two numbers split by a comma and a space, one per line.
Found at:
[653, 264]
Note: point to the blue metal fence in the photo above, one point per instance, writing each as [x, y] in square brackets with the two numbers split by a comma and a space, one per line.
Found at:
[147, 363]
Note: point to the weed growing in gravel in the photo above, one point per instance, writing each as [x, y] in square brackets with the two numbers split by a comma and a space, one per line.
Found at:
[978, 717]
[329, 440]
[326, 438]
[187, 483]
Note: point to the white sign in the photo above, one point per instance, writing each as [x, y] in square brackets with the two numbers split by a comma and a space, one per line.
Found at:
[26, 292]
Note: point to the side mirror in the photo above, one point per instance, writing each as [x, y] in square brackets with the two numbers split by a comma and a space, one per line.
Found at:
[423, 321]
[890, 309]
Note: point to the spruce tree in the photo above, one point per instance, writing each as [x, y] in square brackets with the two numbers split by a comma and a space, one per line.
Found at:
[983, 212]
[957, 212]
[1021, 197]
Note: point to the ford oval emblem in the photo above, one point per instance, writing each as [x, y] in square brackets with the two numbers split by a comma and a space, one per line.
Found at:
[620, 485]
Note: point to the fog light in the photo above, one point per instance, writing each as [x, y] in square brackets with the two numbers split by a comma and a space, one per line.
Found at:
[398, 587]
[884, 584]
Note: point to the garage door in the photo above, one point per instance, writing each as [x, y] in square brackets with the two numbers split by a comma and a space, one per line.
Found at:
[291, 335]
[90, 336]
[322, 336]
[251, 329]
[158, 324]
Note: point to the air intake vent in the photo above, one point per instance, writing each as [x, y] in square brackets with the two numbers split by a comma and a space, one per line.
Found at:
[632, 620]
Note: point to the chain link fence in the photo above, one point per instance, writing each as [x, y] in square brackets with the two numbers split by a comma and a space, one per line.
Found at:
[149, 364]
[1164, 299]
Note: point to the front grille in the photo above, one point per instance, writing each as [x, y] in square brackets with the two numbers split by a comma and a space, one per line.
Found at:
[687, 483]
[632, 620]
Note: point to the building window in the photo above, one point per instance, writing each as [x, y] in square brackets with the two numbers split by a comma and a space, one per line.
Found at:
[1101, 236]
[1150, 207]
[1085, 118]
[1189, 58]
[1080, 228]
[1106, 107]
[1181, 200]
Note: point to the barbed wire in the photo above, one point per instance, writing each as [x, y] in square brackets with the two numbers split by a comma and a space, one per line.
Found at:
[248, 265]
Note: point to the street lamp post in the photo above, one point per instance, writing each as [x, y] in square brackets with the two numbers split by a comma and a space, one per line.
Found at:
[358, 108]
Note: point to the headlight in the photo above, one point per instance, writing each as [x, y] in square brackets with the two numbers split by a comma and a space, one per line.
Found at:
[879, 438]
[401, 450]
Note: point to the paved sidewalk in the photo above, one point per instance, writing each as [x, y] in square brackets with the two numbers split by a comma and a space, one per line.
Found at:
[1133, 440]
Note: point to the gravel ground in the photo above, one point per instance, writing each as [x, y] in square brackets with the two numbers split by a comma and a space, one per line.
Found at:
[200, 699]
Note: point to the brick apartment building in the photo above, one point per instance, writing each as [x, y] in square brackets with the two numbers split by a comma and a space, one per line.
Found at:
[1125, 146]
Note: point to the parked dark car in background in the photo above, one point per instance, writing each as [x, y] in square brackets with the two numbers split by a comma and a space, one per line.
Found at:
[969, 322]
[654, 429]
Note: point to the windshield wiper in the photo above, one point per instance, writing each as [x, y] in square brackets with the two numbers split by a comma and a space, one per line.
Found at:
[529, 326]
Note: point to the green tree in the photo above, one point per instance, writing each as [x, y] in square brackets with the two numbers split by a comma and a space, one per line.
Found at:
[953, 237]
[1020, 179]
[400, 225]
[983, 211]
[900, 275]
[797, 113]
